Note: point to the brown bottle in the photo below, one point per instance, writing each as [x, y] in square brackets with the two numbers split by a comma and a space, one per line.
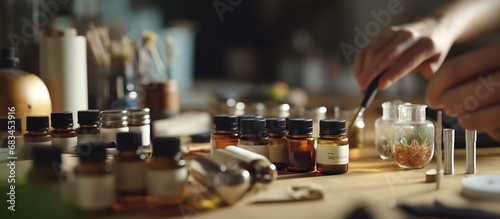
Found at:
[332, 153]
[63, 134]
[253, 136]
[130, 168]
[166, 173]
[89, 130]
[38, 134]
[94, 180]
[299, 143]
[225, 131]
[276, 132]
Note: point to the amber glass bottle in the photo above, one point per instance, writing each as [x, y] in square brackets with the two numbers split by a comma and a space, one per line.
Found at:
[300, 146]
[63, 133]
[225, 131]
[253, 136]
[130, 168]
[38, 133]
[166, 173]
[332, 154]
[276, 132]
[94, 180]
[89, 130]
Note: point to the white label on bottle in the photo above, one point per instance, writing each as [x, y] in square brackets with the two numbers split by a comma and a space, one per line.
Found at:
[109, 134]
[259, 149]
[166, 183]
[94, 193]
[130, 176]
[277, 153]
[88, 138]
[30, 145]
[145, 132]
[66, 144]
[332, 155]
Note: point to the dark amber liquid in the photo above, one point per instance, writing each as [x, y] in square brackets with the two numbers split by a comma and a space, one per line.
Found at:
[222, 139]
[301, 154]
[332, 141]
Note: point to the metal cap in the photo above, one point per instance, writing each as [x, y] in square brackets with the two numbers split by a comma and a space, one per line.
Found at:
[449, 135]
[114, 118]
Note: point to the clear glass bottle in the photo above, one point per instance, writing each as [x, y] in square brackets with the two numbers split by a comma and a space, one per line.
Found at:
[332, 150]
[139, 121]
[63, 134]
[166, 173]
[130, 168]
[225, 131]
[276, 128]
[11, 138]
[413, 143]
[94, 180]
[300, 146]
[113, 122]
[253, 136]
[38, 133]
[89, 130]
[383, 130]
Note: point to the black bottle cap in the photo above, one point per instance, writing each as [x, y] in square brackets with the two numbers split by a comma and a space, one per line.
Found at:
[88, 117]
[332, 127]
[275, 125]
[166, 146]
[37, 123]
[92, 151]
[128, 140]
[225, 122]
[8, 57]
[46, 155]
[240, 117]
[4, 124]
[253, 126]
[300, 126]
[61, 119]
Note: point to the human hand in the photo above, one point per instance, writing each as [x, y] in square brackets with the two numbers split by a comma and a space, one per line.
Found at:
[468, 86]
[420, 46]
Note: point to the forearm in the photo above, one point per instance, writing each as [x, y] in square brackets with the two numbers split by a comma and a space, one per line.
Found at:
[467, 19]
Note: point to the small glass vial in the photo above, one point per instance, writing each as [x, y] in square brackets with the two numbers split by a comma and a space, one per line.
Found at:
[300, 146]
[332, 152]
[413, 143]
[11, 138]
[63, 134]
[38, 133]
[166, 173]
[113, 122]
[130, 168]
[253, 136]
[94, 180]
[139, 121]
[225, 132]
[383, 130]
[276, 131]
[89, 130]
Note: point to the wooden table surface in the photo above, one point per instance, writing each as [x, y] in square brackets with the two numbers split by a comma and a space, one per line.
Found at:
[370, 182]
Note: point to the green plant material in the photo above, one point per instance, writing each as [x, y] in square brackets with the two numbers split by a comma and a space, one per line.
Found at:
[422, 135]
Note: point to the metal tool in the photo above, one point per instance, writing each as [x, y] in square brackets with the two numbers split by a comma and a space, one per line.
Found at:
[470, 148]
[439, 149]
[370, 93]
[449, 147]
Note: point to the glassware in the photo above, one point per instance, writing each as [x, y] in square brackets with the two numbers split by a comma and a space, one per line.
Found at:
[383, 130]
[413, 143]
